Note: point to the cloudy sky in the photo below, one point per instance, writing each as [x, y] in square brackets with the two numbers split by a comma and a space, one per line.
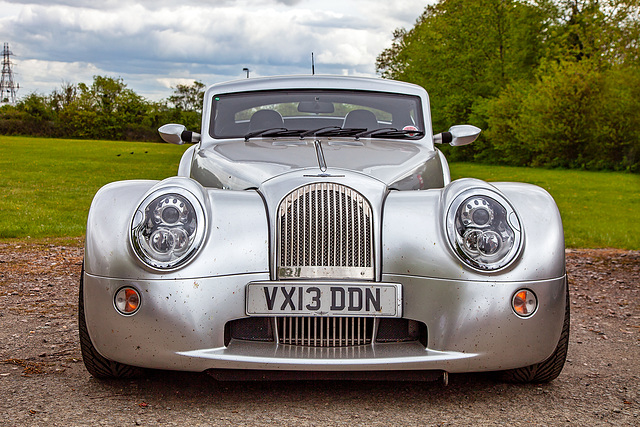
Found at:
[155, 44]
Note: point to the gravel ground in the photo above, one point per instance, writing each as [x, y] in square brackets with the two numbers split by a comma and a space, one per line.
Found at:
[43, 381]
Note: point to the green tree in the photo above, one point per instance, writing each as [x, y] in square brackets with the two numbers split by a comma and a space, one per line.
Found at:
[63, 98]
[573, 116]
[463, 51]
[188, 100]
[581, 110]
[32, 115]
[188, 97]
[105, 110]
[553, 83]
[36, 106]
[606, 32]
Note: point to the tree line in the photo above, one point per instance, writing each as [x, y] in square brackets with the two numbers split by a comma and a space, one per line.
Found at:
[551, 83]
[106, 109]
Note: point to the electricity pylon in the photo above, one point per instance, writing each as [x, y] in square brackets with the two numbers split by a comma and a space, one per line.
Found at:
[8, 88]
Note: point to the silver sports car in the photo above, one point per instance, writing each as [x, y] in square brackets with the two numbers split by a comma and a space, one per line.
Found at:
[313, 231]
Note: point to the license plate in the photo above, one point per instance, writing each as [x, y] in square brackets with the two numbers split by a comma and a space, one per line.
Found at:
[324, 299]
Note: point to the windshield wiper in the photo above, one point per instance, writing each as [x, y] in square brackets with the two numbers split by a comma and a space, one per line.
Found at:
[390, 133]
[337, 131]
[273, 132]
[343, 132]
[323, 131]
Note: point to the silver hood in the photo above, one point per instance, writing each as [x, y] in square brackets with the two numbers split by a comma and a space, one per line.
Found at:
[238, 165]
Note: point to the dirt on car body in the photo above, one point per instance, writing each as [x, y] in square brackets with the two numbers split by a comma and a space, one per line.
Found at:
[43, 380]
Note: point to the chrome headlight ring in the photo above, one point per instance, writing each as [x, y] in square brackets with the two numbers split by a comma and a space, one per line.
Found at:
[483, 229]
[168, 228]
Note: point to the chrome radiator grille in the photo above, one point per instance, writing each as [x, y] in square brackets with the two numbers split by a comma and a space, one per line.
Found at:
[325, 231]
[325, 331]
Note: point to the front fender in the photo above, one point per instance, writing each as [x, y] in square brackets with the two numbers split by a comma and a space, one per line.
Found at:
[236, 239]
[415, 240]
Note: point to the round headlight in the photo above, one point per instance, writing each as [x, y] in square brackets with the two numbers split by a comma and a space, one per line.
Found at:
[483, 230]
[168, 228]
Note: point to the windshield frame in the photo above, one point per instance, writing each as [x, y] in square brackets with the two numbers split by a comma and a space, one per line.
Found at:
[390, 108]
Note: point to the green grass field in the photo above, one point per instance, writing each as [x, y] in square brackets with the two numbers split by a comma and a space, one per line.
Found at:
[48, 184]
[599, 209]
[47, 187]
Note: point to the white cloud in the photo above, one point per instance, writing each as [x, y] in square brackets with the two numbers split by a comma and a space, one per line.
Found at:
[150, 43]
[169, 82]
[45, 75]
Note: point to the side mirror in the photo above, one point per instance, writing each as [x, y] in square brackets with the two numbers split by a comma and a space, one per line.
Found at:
[177, 134]
[458, 135]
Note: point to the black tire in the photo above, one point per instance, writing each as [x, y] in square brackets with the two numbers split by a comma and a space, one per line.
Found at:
[549, 369]
[97, 365]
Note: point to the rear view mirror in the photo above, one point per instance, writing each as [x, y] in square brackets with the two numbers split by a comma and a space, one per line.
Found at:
[315, 107]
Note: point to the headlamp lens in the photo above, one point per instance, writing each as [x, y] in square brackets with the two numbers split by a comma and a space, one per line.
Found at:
[161, 241]
[166, 230]
[480, 232]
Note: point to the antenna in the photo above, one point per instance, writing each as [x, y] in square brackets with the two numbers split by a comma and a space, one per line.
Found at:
[8, 88]
[313, 65]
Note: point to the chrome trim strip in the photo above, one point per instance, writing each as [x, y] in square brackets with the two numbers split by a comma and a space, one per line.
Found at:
[320, 154]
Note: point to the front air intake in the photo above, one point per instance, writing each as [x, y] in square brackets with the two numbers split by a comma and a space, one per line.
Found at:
[325, 230]
[325, 331]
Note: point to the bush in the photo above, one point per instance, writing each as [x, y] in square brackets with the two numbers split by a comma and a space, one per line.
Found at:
[572, 116]
[105, 110]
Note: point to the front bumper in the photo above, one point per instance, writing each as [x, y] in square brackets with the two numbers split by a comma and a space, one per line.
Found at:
[180, 326]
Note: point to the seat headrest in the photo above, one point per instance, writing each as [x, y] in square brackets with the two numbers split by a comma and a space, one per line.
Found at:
[265, 119]
[360, 119]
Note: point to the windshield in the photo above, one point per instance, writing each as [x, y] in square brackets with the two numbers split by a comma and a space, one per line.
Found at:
[305, 113]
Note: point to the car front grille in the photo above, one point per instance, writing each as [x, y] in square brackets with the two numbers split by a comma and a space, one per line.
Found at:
[325, 231]
[325, 331]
